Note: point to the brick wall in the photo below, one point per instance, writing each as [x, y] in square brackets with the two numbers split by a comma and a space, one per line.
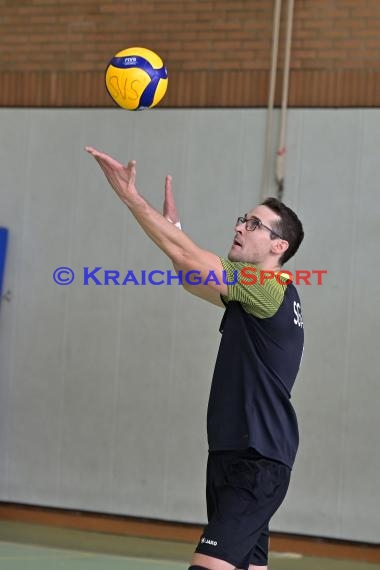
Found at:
[217, 52]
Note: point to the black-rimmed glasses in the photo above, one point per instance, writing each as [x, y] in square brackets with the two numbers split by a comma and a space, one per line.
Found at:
[252, 223]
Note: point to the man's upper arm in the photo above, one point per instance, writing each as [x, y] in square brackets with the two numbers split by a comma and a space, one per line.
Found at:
[261, 297]
[218, 277]
[204, 277]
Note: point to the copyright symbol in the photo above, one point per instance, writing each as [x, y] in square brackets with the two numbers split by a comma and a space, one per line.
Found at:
[63, 275]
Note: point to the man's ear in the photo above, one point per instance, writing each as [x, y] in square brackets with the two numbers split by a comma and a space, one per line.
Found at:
[279, 246]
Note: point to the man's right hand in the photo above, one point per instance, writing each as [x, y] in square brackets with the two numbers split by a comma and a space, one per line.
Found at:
[169, 209]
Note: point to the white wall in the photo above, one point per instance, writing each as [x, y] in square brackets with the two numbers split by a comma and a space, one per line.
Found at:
[103, 389]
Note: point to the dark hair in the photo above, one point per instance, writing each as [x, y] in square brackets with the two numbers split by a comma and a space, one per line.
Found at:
[288, 226]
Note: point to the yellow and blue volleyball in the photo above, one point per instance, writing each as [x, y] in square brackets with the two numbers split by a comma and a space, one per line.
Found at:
[136, 78]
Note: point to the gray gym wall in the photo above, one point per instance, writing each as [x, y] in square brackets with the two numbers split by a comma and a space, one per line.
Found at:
[103, 389]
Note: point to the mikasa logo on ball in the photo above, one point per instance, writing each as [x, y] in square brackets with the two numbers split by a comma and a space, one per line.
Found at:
[130, 61]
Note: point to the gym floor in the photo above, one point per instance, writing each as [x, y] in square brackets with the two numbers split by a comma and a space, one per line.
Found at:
[41, 547]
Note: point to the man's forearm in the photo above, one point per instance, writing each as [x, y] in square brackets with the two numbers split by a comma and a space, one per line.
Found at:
[169, 238]
[182, 251]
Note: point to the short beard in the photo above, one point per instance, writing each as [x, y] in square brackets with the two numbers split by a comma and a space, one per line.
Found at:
[232, 256]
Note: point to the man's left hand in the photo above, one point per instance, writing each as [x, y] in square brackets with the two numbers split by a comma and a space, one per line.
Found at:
[122, 178]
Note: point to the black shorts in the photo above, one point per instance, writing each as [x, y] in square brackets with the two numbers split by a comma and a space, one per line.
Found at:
[244, 490]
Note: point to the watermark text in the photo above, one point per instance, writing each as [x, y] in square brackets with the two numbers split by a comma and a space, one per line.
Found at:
[247, 276]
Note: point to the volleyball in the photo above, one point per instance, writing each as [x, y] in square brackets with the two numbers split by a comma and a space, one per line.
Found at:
[136, 78]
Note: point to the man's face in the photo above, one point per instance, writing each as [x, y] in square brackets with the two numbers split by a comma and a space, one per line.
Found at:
[254, 246]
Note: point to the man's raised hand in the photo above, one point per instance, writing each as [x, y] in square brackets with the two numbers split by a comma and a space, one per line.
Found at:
[169, 208]
[122, 178]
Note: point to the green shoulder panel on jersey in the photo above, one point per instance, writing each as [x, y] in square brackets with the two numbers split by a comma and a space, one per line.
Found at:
[259, 299]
